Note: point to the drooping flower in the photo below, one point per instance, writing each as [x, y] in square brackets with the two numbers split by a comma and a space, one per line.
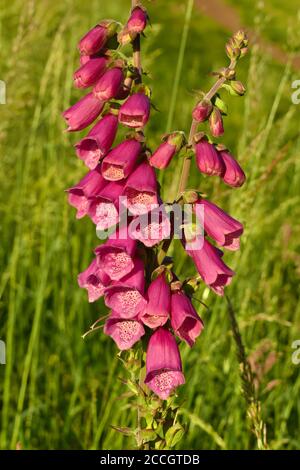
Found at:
[163, 364]
[216, 123]
[151, 228]
[208, 159]
[94, 281]
[98, 141]
[90, 72]
[223, 228]
[140, 194]
[233, 174]
[115, 256]
[135, 111]
[95, 39]
[202, 110]
[88, 187]
[104, 209]
[158, 307]
[212, 269]
[109, 84]
[137, 21]
[83, 113]
[127, 295]
[121, 160]
[185, 321]
[166, 151]
[125, 332]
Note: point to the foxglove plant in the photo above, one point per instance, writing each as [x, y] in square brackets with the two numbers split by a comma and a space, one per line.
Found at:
[150, 309]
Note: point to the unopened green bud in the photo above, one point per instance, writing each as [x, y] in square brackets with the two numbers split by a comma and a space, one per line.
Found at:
[238, 87]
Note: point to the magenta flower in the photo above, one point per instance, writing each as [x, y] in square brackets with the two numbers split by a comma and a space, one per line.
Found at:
[137, 21]
[109, 84]
[121, 160]
[162, 155]
[212, 269]
[233, 174]
[104, 209]
[216, 123]
[115, 256]
[158, 306]
[141, 190]
[125, 332]
[163, 364]
[95, 39]
[202, 111]
[166, 151]
[151, 228]
[94, 281]
[225, 230]
[208, 159]
[185, 321]
[127, 295]
[83, 113]
[98, 141]
[135, 111]
[88, 74]
[88, 187]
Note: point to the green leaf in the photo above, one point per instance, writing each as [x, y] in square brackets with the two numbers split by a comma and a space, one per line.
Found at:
[174, 435]
[147, 435]
[221, 105]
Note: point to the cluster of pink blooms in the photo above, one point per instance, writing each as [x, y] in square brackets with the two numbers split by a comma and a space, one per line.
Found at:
[122, 178]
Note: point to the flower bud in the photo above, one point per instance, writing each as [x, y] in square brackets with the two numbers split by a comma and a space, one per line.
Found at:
[208, 159]
[137, 21]
[216, 123]
[233, 174]
[83, 113]
[166, 151]
[238, 87]
[96, 38]
[202, 110]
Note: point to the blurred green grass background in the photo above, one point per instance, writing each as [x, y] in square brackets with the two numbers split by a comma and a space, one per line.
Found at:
[58, 391]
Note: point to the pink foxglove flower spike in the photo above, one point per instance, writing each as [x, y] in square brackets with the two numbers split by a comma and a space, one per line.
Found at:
[149, 304]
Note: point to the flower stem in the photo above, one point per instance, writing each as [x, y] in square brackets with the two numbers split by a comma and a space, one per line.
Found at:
[193, 130]
[137, 44]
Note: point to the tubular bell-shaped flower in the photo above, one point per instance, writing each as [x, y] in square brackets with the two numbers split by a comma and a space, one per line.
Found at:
[94, 280]
[109, 84]
[223, 228]
[115, 256]
[98, 141]
[125, 332]
[121, 160]
[233, 174]
[151, 228]
[88, 187]
[158, 297]
[140, 194]
[212, 269]
[135, 111]
[208, 159]
[127, 295]
[185, 321]
[163, 364]
[88, 74]
[83, 113]
[95, 39]
[104, 209]
[165, 152]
